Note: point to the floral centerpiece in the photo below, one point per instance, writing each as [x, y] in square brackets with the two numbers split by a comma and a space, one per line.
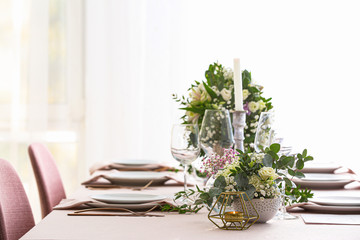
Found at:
[257, 174]
[217, 92]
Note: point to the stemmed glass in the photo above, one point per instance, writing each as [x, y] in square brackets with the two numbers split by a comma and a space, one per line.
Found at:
[216, 135]
[185, 146]
[216, 132]
[282, 214]
[265, 134]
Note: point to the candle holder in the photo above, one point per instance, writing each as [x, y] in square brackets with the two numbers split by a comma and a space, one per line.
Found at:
[239, 123]
[229, 219]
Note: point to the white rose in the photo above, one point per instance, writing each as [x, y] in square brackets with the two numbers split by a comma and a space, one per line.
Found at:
[253, 106]
[246, 93]
[261, 104]
[226, 94]
[266, 173]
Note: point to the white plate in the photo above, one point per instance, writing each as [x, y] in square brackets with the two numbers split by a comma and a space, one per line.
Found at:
[321, 184]
[127, 198]
[324, 177]
[332, 209]
[137, 178]
[320, 167]
[142, 206]
[337, 200]
[135, 162]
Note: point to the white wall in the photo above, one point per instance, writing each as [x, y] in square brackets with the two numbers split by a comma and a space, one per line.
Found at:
[306, 54]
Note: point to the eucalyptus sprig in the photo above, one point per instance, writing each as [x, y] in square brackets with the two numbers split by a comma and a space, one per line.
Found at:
[289, 166]
[198, 202]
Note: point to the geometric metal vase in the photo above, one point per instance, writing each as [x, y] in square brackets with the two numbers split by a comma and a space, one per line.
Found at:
[233, 218]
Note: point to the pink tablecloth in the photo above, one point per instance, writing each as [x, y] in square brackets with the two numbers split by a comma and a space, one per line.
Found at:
[57, 225]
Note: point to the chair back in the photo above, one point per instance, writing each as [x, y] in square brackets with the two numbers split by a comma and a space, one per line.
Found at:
[16, 217]
[48, 179]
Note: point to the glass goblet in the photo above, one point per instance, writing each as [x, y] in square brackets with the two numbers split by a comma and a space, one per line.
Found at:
[185, 146]
[265, 134]
[216, 132]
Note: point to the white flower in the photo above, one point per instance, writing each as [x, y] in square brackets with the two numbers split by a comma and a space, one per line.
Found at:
[226, 94]
[253, 106]
[199, 95]
[216, 90]
[261, 105]
[192, 117]
[228, 74]
[266, 173]
[246, 93]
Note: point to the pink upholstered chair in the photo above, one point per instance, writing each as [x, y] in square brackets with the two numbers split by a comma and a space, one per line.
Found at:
[16, 217]
[48, 178]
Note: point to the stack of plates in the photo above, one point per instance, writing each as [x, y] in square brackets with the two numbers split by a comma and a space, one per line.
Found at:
[129, 201]
[137, 178]
[335, 204]
[320, 167]
[323, 181]
[134, 163]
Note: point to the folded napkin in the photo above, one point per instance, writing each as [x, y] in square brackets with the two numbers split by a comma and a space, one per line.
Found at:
[331, 219]
[99, 180]
[122, 167]
[68, 204]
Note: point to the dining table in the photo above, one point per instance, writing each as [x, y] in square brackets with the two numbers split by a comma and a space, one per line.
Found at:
[174, 226]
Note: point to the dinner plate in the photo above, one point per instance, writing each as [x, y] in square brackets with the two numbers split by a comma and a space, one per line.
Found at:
[127, 198]
[129, 206]
[323, 181]
[331, 209]
[324, 177]
[137, 177]
[321, 184]
[337, 200]
[135, 162]
[320, 167]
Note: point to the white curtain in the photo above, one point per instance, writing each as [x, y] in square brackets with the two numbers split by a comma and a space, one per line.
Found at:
[305, 54]
[41, 87]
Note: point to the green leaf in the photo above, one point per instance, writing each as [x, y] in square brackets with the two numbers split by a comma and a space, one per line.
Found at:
[291, 172]
[220, 182]
[214, 192]
[308, 158]
[299, 175]
[241, 180]
[300, 164]
[288, 182]
[304, 153]
[194, 109]
[284, 162]
[250, 191]
[210, 91]
[275, 147]
[268, 160]
[273, 155]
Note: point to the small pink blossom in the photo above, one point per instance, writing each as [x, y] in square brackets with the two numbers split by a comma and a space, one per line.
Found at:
[214, 163]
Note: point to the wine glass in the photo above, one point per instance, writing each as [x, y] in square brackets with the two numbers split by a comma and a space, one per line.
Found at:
[216, 135]
[265, 134]
[185, 146]
[216, 132]
[282, 214]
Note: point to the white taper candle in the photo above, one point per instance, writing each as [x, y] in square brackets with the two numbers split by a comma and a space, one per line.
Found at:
[238, 86]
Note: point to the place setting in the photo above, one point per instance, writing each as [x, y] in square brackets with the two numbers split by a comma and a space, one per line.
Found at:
[114, 202]
[137, 174]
